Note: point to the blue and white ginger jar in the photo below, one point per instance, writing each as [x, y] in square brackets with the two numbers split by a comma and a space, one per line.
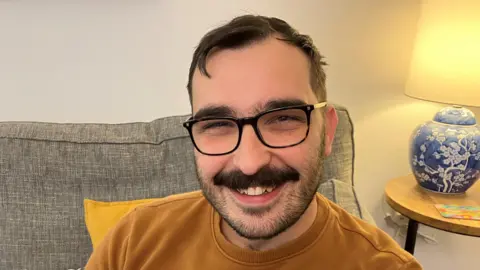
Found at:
[445, 152]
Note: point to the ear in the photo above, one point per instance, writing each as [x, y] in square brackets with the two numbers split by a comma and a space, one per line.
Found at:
[331, 121]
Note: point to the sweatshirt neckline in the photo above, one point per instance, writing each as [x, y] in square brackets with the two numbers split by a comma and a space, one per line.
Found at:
[285, 251]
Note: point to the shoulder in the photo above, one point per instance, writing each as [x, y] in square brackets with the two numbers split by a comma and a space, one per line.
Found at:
[373, 245]
[148, 226]
[178, 206]
[173, 201]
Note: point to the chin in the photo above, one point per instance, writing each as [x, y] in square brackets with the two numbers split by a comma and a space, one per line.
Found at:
[259, 223]
[254, 228]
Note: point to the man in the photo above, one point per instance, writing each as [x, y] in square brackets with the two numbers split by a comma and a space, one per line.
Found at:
[261, 129]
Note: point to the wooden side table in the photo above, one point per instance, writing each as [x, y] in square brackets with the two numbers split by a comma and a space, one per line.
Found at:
[405, 196]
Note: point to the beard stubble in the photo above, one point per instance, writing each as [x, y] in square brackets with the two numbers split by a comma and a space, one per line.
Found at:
[297, 201]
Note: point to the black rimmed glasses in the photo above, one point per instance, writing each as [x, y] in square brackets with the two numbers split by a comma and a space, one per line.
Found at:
[277, 128]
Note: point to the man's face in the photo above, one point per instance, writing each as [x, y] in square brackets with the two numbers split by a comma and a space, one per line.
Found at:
[248, 81]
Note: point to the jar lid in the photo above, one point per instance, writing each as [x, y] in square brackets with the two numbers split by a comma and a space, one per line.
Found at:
[455, 115]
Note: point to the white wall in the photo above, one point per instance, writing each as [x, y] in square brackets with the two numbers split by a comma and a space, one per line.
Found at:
[120, 61]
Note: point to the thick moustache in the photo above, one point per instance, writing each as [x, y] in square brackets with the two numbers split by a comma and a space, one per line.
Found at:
[261, 181]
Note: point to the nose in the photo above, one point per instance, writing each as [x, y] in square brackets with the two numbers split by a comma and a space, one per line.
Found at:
[251, 155]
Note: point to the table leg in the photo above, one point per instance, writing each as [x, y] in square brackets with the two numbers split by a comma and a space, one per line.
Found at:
[411, 236]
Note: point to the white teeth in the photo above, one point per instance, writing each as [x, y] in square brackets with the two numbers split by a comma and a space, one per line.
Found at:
[255, 191]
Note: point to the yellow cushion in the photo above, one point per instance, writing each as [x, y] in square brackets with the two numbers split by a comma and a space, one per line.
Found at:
[102, 216]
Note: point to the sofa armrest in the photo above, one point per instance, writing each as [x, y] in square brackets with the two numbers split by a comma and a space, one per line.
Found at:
[344, 195]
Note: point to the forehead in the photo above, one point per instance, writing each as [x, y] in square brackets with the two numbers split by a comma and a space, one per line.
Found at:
[247, 78]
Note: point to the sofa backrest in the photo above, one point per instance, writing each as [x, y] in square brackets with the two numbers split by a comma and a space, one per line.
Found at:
[47, 169]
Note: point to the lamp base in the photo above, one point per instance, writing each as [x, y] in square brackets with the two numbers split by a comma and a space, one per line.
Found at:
[445, 152]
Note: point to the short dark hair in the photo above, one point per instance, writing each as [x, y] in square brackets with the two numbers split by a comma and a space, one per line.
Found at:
[248, 29]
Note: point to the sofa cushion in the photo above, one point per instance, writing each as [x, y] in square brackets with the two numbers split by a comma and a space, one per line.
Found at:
[345, 196]
[47, 169]
[100, 216]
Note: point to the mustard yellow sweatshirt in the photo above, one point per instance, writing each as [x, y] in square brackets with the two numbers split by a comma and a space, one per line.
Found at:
[182, 232]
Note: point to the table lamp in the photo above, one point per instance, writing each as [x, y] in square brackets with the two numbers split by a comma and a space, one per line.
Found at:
[445, 67]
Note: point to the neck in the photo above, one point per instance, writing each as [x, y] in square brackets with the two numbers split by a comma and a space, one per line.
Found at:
[297, 229]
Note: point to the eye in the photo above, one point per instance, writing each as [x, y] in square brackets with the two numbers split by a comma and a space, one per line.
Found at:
[215, 127]
[286, 118]
[213, 124]
[283, 120]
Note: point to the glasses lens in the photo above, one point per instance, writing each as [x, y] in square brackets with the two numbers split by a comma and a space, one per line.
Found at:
[215, 136]
[284, 127]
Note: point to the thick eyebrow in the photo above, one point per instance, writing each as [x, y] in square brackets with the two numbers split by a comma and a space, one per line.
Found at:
[214, 111]
[281, 103]
[225, 111]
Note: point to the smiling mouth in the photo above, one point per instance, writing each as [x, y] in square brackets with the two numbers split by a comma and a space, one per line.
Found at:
[256, 191]
[257, 196]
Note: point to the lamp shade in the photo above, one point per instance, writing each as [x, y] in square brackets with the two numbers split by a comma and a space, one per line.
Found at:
[445, 65]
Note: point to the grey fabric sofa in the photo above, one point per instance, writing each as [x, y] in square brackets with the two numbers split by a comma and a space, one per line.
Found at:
[47, 169]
